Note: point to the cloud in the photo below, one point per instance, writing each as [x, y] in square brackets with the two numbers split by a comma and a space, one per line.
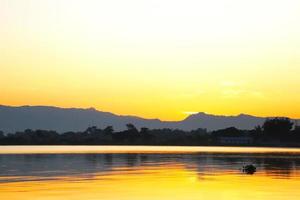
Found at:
[232, 93]
[257, 94]
[193, 94]
[236, 93]
[234, 89]
[229, 83]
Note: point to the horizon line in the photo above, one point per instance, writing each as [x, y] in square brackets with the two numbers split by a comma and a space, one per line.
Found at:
[129, 115]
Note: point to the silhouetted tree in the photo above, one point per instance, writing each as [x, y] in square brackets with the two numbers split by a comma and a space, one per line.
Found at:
[144, 130]
[258, 129]
[277, 127]
[91, 130]
[131, 128]
[108, 130]
[228, 132]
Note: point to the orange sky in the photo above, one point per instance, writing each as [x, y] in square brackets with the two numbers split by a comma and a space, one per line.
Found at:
[156, 59]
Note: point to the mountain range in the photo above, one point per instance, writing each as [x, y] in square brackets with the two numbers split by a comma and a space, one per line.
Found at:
[14, 119]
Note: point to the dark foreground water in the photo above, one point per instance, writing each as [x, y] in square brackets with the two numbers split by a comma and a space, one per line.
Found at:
[139, 173]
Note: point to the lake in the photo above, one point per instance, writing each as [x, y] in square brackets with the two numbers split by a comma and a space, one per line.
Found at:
[145, 172]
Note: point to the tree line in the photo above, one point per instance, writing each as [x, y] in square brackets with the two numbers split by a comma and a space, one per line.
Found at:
[274, 132]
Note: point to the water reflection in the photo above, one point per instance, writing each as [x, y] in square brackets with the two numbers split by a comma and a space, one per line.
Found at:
[20, 167]
[147, 176]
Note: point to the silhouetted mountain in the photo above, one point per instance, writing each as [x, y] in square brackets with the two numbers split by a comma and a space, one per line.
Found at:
[73, 119]
[214, 122]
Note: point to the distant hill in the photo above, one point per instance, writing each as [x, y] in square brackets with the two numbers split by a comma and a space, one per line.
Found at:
[74, 119]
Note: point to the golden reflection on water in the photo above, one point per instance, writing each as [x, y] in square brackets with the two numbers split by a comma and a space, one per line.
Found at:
[147, 173]
[168, 182]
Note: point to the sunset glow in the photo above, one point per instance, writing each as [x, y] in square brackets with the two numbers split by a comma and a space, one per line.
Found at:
[155, 59]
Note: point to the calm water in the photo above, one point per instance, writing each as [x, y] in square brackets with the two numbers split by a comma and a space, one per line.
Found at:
[139, 173]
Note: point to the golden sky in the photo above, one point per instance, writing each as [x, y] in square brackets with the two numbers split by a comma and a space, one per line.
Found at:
[156, 59]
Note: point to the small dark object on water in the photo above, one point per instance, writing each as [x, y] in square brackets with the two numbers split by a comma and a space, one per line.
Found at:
[249, 169]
